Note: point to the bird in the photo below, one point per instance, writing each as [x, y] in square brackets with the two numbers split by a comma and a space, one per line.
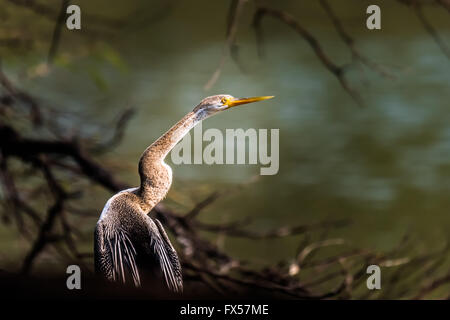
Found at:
[130, 246]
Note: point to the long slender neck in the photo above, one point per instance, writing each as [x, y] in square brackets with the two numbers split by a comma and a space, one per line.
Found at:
[159, 149]
[156, 176]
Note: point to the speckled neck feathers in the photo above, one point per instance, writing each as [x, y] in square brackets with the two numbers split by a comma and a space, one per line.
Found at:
[156, 175]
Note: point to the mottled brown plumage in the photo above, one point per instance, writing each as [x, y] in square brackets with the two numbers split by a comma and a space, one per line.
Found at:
[129, 245]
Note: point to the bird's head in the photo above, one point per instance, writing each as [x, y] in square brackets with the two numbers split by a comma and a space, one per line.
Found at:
[214, 104]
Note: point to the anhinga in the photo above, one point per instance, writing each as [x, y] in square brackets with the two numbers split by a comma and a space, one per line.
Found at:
[129, 245]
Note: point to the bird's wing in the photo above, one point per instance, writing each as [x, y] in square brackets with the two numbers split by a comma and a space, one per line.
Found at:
[167, 256]
[115, 255]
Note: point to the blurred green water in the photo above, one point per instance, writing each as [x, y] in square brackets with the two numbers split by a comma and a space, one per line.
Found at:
[385, 166]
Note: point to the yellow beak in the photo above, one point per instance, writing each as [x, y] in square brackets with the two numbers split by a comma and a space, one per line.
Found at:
[236, 102]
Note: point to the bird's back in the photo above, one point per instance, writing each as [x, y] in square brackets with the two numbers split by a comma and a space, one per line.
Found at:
[132, 248]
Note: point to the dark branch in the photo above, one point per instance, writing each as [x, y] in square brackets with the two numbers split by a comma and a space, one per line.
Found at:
[336, 70]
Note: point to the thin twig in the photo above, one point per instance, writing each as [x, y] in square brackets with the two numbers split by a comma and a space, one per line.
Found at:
[337, 71]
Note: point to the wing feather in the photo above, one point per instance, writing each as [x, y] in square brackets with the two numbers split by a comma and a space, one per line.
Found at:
[115, 254]
[168, 259]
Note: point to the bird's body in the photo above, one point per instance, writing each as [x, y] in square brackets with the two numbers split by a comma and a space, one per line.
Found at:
[129, 245]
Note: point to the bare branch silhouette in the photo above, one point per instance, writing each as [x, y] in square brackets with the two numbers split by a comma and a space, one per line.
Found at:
[337, 71]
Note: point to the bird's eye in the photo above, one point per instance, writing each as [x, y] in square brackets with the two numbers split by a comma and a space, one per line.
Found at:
[224, 100]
